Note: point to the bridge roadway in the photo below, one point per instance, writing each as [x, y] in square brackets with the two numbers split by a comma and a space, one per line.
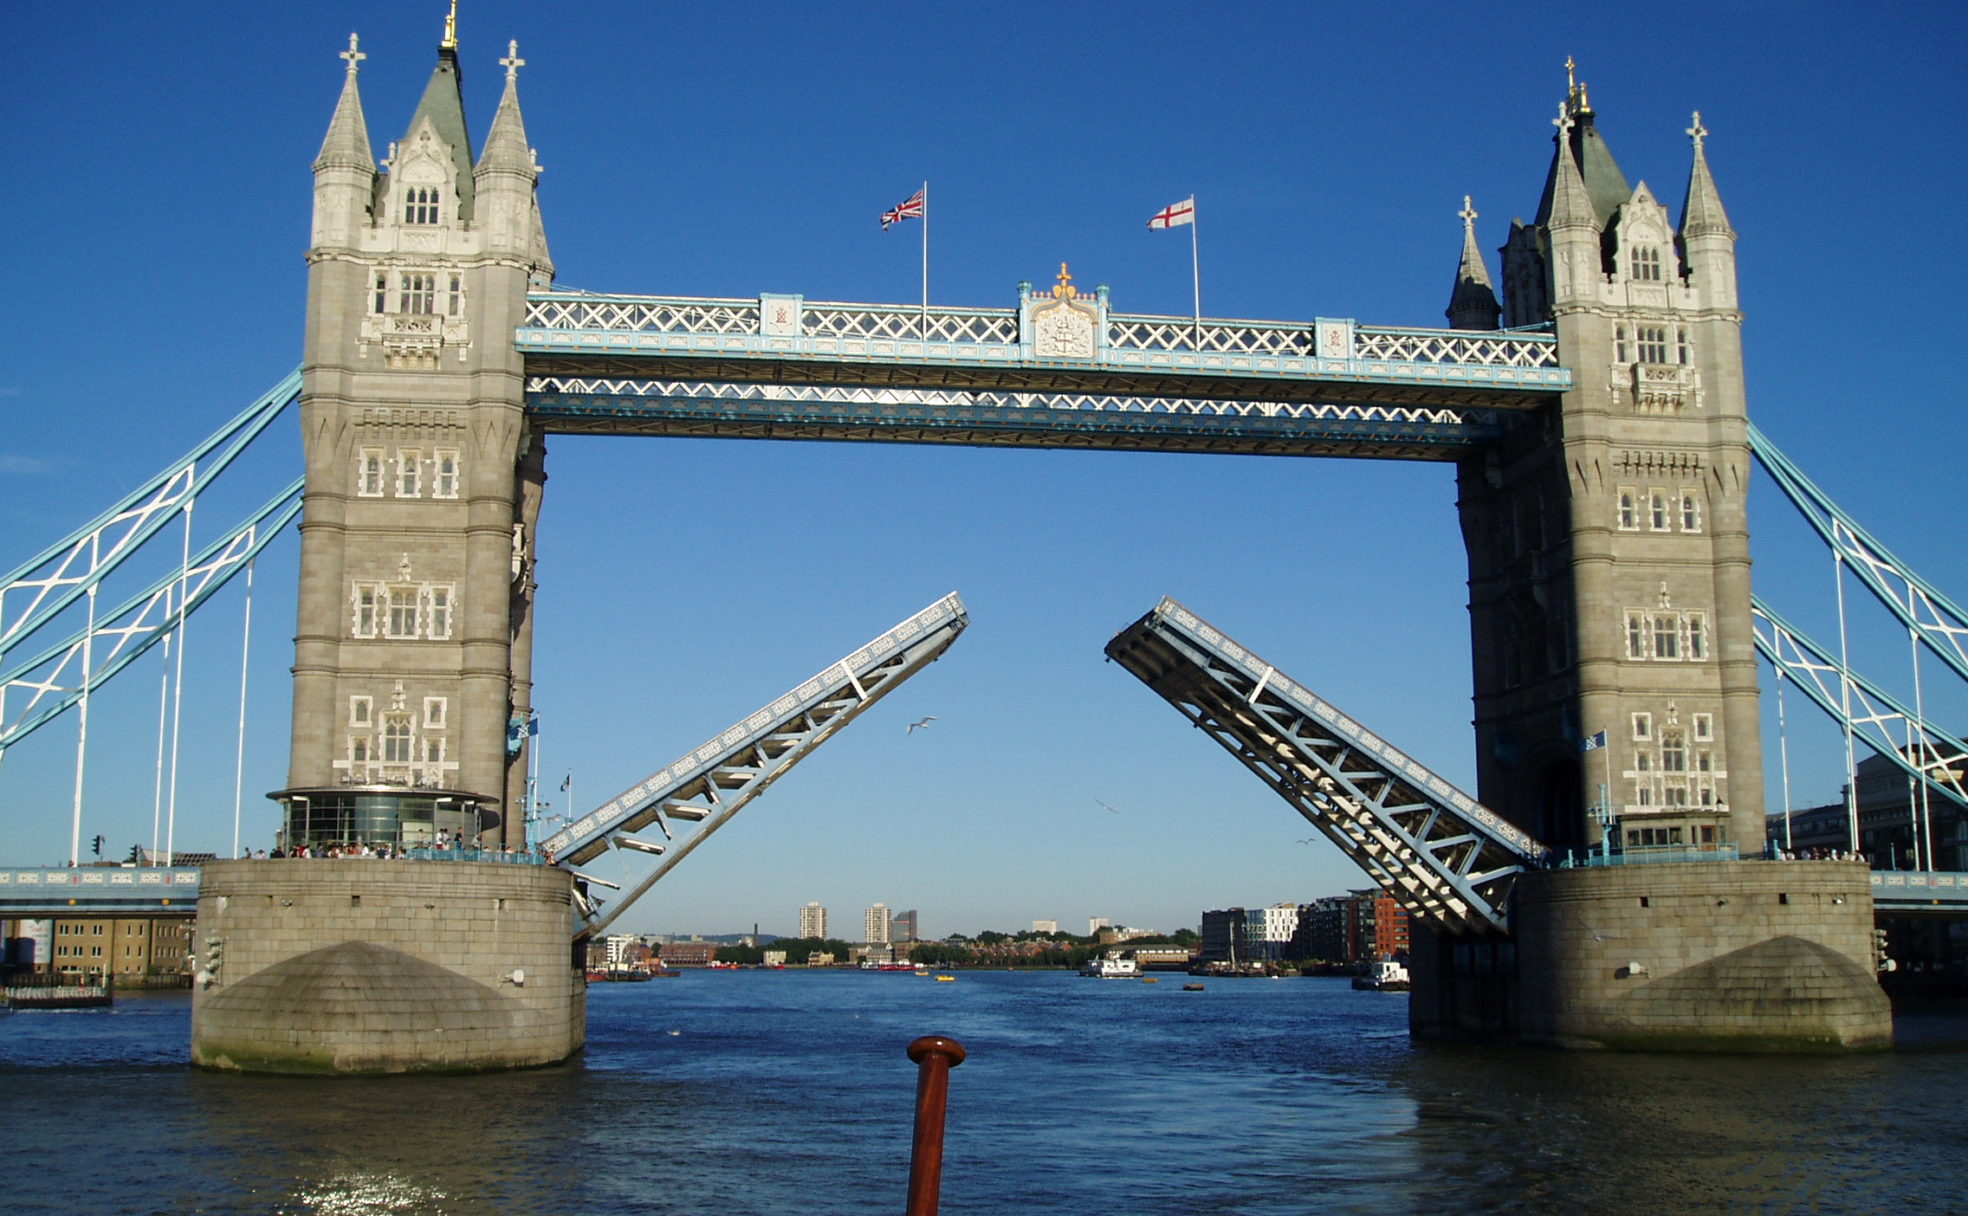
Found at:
[1059, 370]
[107, 891]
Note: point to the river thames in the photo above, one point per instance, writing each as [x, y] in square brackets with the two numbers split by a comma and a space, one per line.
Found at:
[788, 1092]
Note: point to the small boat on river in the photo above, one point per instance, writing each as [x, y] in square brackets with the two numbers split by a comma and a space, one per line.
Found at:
[1383, 976]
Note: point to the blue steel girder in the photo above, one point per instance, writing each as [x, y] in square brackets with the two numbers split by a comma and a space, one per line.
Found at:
[47, 891]
[61, 674]
[1919, 891]
[707, 786]
[1934, 618]
[582, 336]
[1925, 752]
[576, 405]
[1443, 855]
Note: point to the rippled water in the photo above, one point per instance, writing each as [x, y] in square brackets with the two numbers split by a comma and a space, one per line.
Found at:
[788, 1092]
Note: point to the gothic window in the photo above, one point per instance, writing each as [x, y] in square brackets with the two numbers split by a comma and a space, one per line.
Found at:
[1681, 344]
[1697, 636]
[396, 739]
[1667, 636]
[1674, 751]
[359, 755]
[444, 474]
[1691, 518]
[434, 711]
[1704, 727]
[433, 751]
[1653, 343]
[1657, 510]
[359, 711]
[417, 293]
[409, 473]
[1636, 635]
[1647, 265]
[403, 612]
[1629, 509]
[382, 292]
[1643, 726]
[365, 611]
[420, 205]
[369, 473]
[439, 616]
[454, 302]
[1619, 343]
[1677, 795]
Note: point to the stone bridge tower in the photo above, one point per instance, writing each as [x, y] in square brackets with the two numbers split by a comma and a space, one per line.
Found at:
[1615, 665]
[413, 653]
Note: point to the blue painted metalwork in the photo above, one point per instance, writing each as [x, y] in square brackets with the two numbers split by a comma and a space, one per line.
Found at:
[133, 627]
[1934, 618]
[50, 581]
[1919, 891]
[714, 781]
[99, 891]
[1925, 752]
[788, 339]
[1442, 854]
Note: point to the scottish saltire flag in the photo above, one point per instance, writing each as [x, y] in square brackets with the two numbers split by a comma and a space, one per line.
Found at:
[1593, 743]
[910, 208]
[1175, 214]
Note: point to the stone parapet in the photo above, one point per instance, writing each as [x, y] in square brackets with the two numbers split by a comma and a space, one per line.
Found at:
[1704, 956]
[366, 966]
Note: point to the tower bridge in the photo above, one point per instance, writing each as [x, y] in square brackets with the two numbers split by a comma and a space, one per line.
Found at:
[1594, 409]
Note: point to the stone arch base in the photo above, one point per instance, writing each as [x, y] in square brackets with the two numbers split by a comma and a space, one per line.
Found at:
[1749, 956]
[368, 967]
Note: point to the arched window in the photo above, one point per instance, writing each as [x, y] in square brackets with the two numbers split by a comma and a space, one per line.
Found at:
[1647, 263]
[420, 205]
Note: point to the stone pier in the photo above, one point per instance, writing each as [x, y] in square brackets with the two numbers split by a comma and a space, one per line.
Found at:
[360, 966]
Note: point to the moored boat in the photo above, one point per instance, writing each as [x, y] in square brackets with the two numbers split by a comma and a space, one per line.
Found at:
[1386, 975]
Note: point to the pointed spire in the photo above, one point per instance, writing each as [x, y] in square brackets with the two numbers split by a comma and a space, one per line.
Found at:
[443, 104]
[1701, 212]
[1605, 185]
[1473, 302]
[347, 143]
[1567, 205]
[505, 145]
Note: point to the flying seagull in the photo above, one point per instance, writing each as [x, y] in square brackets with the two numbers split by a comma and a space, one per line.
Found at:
[922, 722]
[1110, 810]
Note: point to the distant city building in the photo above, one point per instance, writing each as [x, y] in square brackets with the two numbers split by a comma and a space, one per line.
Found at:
[1889, 815]
[1045, 926]
[1096, 923]
[880, 929]
[616, 948]
[689, 954]
[905, 927]
[1223, 935]
[1359, 927]
[813, 920]
[1268, 931]
[130, 949]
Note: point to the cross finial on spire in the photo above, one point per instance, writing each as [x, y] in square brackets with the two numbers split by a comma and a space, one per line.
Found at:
[356, 56]
[1698, 132]
[450, 42]
[1468, 213]
[512, 62]
[1564, 122]
[1571, 77]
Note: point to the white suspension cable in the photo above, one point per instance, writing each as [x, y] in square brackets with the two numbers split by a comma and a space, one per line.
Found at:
[82, 735]
[177, 691]
[163, 706]
[239, 765]
[1918, 816]
[1845, 706]
[1783, 751]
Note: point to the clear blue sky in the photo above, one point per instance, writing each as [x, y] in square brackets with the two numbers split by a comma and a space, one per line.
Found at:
[155, 215]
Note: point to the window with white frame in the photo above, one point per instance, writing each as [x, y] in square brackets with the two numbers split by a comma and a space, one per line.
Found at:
[1674, 751]
[366, 597]
[1653, 343]
[1691, 519]
[369, 473]
[1619, 343]
[1704, 725]
[1697, 637]
[434, 710]
[1667, 635]
[1643, 726]
[359, 753]
[382, 292]
[1681, 343]
[417, 293]
[1636, 635]
[361, 710]
[444, 473]
[402, 612]
[420, 205]
[454, 302]
[434, 751]
[396, 739]
[1629, 509]
[437, 614]
[1647, 264]
[409, 473]
[1657, 510]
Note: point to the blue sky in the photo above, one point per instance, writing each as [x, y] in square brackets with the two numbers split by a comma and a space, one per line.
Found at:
[154, 221]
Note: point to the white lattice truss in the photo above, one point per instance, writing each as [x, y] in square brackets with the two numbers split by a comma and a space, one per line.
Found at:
[999, 327]
[35, 691]
[700, 792]
[56, 578]
[1925, 752]
[1440, 853]
[852, 396]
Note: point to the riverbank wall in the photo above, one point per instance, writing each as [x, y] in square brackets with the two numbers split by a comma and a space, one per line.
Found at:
[361, 966]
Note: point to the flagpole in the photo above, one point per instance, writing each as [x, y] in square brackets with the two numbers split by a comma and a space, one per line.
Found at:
[1196, 274]
[925, 261]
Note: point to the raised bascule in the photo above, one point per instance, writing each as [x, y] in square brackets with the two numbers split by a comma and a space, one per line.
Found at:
[1596, 416]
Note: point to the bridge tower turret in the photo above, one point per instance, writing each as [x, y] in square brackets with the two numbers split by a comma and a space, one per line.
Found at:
[1615, 666]
[413, 648]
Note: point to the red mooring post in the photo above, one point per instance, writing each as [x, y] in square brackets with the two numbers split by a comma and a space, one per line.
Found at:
[935, 1055]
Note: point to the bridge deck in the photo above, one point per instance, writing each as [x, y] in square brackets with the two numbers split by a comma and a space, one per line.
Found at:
[53, 891]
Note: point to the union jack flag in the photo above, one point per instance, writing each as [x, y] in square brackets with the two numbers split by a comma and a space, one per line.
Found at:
[910, 208]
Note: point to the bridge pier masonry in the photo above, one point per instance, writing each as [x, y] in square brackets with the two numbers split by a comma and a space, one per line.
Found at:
[1616, 693]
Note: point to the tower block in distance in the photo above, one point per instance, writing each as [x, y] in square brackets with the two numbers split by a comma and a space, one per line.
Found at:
[412, 669]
